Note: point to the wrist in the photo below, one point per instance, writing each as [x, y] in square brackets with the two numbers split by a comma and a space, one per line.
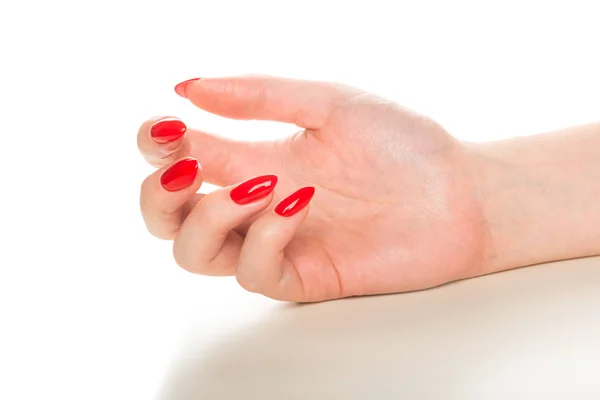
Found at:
[501, 189]
[538, 197]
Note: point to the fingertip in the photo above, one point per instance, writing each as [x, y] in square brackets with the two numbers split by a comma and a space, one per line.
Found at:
[162, 139]
[180, 175]
[295, 202]
[164, 194]
[253, 189]
[182, 87]
[167, 130]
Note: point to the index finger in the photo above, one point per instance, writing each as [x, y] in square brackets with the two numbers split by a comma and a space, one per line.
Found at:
[162, 140]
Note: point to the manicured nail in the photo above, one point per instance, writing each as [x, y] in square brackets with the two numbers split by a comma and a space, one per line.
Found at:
[180, 175]
[181, 88]
[253, 189]
[167, 130]
[295, 202]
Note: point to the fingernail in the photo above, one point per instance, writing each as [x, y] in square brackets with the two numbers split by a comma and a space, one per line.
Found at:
[180, 175]
[167, 130]
[253, 189]
[295, 202]
[181, 88]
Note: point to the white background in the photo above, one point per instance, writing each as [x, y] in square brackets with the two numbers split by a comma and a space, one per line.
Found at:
[93, 307]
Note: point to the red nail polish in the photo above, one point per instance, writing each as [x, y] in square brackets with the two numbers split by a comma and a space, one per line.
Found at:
[295, 202]
[180, 175]
[181, 88]
[253, 189]
[167, 130]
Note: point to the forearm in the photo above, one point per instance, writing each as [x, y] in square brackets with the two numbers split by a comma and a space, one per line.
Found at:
[540, 197]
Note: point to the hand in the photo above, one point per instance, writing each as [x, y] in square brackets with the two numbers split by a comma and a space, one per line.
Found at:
[394, 206]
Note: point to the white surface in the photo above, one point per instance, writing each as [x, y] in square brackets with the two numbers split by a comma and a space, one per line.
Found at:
[92, 307]
[529, 333]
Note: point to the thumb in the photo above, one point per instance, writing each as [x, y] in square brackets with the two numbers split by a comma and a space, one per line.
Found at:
[307, 104]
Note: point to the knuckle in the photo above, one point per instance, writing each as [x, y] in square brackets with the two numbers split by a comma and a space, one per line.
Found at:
[210, 221]
[206, 212]
[261, 97]
[186, 259]
[251, 95]
[230, 89]
[265, 234]
[248, 283]
[163, 235]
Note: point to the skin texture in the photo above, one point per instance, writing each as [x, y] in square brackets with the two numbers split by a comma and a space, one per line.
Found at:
[399, 204]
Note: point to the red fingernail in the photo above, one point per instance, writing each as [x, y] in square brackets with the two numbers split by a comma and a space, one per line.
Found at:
[167, 130]
[253, 189]
[180, 175]
[181, 88]
[295, 202]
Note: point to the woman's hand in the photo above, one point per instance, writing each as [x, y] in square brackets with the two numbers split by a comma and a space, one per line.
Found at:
[394, 206]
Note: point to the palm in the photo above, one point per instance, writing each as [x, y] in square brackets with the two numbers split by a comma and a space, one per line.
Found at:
[393, 209]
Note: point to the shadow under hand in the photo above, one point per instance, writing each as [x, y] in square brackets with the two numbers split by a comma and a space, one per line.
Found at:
[504, 333]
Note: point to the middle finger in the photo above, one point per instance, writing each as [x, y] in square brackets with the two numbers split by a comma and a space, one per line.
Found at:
[207, 243]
